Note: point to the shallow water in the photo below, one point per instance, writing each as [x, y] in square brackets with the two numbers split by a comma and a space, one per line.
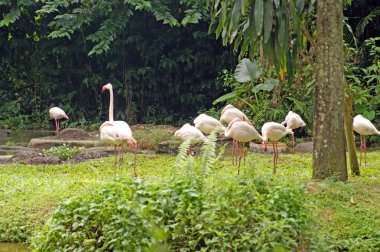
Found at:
[13, 247]
[22, 137]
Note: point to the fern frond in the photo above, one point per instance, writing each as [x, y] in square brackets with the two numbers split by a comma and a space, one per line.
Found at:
[182, 155]
[208, 156]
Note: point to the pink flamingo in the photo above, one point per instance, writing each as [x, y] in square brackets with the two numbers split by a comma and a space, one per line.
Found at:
[365, 128]
[57, 114]
[274, 131]
[117, 133]
[242, 132]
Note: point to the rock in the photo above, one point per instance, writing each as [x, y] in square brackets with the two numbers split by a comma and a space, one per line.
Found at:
[304, 147]
[43, 160]
[90, 154]
[4, 133]
[170, 146]
[9, 148]
[255, 147]
[44, 143]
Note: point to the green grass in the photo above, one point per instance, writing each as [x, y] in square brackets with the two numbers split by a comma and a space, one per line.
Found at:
[347, 212]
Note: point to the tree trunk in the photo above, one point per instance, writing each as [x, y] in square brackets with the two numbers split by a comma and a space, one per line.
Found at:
[329, 156]
[349, 132]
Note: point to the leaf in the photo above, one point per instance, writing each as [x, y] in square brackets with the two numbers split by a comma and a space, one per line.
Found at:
[10, 18]
[281, 29]
[300, 4]
[236, 14]
[226, 97]
[268, 85]
[259, 16]
[268, 19]
[247, 71]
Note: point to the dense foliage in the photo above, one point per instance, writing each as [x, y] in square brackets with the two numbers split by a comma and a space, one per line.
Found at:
[188, 212]
[163, 65]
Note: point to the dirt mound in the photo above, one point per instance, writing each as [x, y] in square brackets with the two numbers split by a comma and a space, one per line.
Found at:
[73, 133]
[90, 154]
[25, 155]
[43, 160]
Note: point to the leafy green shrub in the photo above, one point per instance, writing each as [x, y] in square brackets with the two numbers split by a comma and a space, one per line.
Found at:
[194, 211]
[64, 152]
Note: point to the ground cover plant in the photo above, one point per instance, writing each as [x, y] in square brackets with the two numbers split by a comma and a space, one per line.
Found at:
[346, 212]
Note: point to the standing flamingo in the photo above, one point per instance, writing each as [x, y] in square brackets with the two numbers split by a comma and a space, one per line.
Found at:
[207, 123]
[274, 132]
[228, 114]
[117, 133]
[57, 114]
[364, 127]
[293, 121]
[189, 132]
[242, 132]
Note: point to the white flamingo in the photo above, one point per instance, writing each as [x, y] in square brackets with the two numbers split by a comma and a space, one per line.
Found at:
[364, 128]
[242, 132]
[293, 121]
[189, 132]
[206, 124]
[117, 133]
[57, 114]
[274, 131]
[230, 112]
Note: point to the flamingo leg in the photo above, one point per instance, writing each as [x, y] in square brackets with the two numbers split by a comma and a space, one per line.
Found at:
[134, 165]
[244, 152]
[114, 163]
[276, 152]
[293, 141]
[233, 151]
[121, 157]
[58, 124]
[361, 149]
[239, 154]
[274, 159]
[365, 151]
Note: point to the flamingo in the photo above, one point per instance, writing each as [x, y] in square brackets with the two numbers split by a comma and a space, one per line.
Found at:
[207, 123]
[228, 114]
[242, 132]
[189, 132]
[293, 121]
[364, 127]
[274, 131]
[57, 114]
[117, 133]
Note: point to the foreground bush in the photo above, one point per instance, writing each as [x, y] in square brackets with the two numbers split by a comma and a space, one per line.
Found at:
[183, 213]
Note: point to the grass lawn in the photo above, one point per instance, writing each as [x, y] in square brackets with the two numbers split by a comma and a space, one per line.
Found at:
[347, 212]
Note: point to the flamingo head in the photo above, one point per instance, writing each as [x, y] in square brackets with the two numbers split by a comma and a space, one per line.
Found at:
[107, 86]
[132, 143]
[247, 120]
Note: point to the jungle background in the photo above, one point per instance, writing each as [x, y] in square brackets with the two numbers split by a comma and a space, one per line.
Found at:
[163, 60]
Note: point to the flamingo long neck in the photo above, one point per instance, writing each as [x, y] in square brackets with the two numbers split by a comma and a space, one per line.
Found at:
[110, 112]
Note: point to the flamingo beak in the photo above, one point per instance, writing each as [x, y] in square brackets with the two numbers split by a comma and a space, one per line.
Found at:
[104, 88]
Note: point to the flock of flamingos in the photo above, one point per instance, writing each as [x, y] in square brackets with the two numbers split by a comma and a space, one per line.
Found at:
[239, 128]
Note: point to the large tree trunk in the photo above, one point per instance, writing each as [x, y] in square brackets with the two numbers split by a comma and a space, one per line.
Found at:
[329, 156]
[349, 132]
